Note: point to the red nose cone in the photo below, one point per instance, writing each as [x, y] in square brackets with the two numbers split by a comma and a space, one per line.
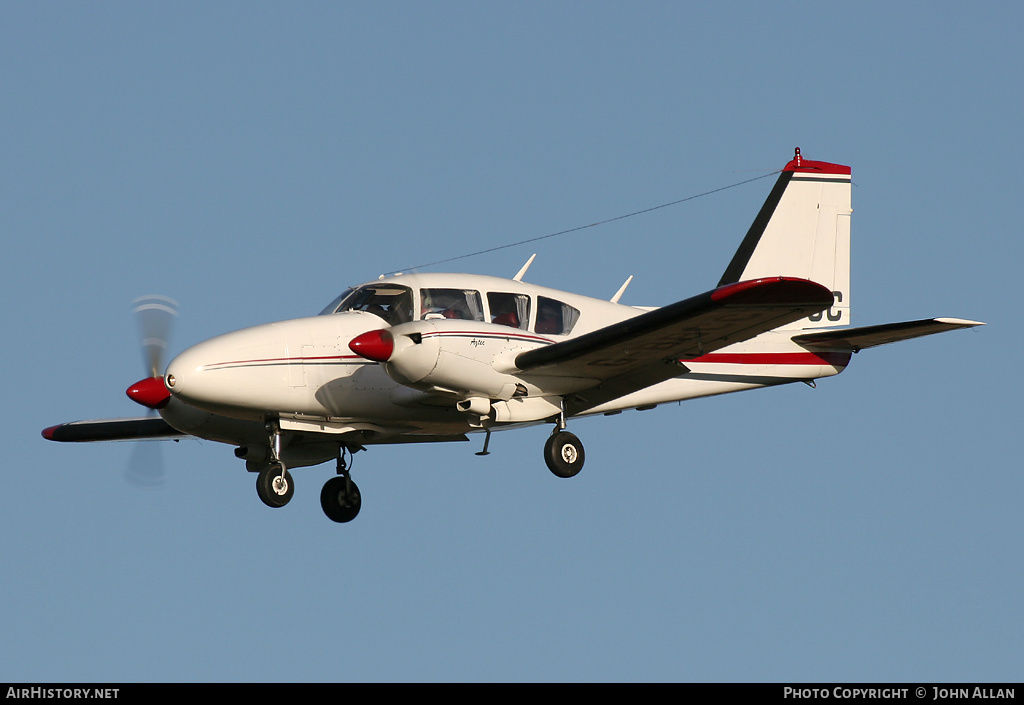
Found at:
[150, 392]
[376, 345]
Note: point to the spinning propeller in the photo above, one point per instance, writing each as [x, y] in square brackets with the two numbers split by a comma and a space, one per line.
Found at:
[155, 316]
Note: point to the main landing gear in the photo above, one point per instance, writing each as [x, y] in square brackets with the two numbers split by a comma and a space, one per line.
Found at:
[563, 452]
[340, 497]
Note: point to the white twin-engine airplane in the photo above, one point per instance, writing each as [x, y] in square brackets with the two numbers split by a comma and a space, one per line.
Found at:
[417, 358]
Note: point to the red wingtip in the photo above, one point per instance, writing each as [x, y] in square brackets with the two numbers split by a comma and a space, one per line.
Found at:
[150, 392]
[376, 345]
[774, 290]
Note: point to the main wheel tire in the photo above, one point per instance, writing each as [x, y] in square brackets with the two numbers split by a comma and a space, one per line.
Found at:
[273, 489]
[563, 453]
[340, 499]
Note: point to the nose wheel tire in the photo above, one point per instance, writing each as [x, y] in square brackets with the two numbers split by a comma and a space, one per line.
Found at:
[563, 453]
[274, 488]
[340, 499]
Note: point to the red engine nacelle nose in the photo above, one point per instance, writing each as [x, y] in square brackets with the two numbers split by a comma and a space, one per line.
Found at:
[150, 392]
[376, 345]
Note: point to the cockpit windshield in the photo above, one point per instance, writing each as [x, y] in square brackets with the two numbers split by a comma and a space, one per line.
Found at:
[336, 302]
[391, 302]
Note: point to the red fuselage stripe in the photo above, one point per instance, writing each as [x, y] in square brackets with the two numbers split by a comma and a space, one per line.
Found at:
[836, 359]
[284, 360]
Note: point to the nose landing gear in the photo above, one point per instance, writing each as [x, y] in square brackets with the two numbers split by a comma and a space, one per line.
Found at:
[274, 484]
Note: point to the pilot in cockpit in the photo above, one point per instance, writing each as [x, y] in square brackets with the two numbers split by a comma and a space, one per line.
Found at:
[401, 309]
[444, 303]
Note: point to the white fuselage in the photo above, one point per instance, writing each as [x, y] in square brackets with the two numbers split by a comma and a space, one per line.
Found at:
[461, 375]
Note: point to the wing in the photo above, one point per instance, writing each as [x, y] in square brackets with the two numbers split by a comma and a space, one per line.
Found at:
[644, 350]
[856, 339]
[137, 429]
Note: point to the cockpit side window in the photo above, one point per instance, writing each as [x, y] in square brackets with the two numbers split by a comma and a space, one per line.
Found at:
[509, 309]
[462, 304]
[555, 317]
[391, 302]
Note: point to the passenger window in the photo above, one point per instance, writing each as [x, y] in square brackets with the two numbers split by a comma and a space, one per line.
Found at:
[463, 304]
[391, 302]
[509, 309]
[555, 317]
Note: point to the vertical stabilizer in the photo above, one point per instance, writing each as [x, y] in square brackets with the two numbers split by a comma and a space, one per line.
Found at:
[803, 230]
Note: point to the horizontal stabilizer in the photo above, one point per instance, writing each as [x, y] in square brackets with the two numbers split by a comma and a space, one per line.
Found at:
[855, 339]
[137, 429]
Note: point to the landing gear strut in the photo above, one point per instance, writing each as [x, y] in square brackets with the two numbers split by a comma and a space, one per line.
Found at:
[563, 451]
[340, 497]
[274, 484]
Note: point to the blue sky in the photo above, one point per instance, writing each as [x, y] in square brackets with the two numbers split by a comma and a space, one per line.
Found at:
[252, 159]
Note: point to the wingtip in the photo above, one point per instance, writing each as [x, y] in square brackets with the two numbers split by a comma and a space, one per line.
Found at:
[50, 432]
[774, 290]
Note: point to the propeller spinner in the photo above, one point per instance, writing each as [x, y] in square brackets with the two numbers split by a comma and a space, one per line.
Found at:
[150, 392]
[375, 345]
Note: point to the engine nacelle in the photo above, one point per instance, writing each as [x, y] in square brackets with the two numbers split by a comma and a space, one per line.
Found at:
[525, 409]
[515, 410]
[443, 357]
[476, 406]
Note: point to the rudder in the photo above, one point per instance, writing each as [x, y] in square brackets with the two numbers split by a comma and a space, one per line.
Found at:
[803, 230]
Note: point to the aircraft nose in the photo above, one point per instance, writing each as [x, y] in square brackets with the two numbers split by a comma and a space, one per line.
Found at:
[181, 368]
[195, 375]
[232, 373]
[254, 371]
